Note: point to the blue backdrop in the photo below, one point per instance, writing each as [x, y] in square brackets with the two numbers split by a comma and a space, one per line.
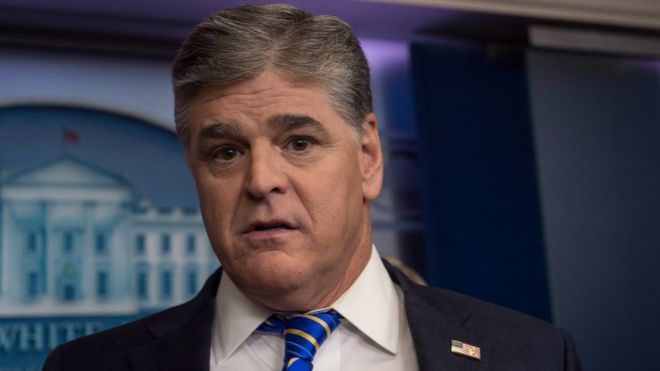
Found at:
[483, 225]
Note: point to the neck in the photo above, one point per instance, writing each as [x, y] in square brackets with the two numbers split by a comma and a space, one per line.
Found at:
[352, 272]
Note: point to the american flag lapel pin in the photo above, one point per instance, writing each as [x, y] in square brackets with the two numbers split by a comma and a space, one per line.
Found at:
[465, 349]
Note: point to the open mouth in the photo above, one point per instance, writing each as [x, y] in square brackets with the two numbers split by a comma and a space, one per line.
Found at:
[269, 226]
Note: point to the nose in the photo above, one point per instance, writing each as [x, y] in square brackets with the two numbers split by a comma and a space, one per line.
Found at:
[266, 174]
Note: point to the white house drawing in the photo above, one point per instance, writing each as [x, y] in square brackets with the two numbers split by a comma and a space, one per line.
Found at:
[73, 240]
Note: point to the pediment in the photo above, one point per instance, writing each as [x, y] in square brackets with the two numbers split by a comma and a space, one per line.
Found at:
[65, 171]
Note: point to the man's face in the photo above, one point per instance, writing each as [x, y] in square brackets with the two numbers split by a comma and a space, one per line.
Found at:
[283, 183]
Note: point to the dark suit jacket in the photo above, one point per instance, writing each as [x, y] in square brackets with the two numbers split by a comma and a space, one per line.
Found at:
[180, 338]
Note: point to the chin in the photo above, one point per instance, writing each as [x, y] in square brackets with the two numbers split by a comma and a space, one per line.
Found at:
[273, 273]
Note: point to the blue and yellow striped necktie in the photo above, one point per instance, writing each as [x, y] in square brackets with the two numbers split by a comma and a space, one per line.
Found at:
[303, 335]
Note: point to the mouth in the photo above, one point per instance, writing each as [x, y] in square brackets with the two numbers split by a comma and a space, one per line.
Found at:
[268, 227]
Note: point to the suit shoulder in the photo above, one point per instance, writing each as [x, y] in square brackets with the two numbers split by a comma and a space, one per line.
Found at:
[109, 349]
[511, 340]
[487, 316]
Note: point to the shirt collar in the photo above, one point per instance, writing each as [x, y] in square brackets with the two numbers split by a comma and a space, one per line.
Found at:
[371, 304]
[372, 292]
[236, 317]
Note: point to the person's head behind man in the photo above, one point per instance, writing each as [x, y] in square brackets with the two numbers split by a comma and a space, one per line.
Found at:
[273, 106]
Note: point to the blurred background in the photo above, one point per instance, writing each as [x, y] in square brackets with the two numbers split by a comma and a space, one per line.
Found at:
[522, 141]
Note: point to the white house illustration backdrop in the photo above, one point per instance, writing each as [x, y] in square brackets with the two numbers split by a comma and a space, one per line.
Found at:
[74, 240]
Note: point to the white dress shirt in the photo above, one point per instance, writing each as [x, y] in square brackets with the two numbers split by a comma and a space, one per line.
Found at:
[373, 334]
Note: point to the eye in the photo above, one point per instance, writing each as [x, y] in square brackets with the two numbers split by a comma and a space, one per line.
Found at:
[226, 153]
[300, 144]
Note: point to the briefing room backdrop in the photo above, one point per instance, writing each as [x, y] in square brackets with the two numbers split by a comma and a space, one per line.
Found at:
[521, 176]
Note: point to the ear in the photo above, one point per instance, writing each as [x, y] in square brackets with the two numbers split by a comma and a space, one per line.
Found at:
[371, 159]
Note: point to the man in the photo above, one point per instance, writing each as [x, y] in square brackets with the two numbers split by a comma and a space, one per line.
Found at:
[273, 107]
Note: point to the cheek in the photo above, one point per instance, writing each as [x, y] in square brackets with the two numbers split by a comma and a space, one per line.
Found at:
[217, 228]
[215, 194]
[214, 202]
[343, 183]
[333, 200]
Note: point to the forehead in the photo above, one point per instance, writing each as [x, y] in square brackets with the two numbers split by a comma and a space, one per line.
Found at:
[271, 90]
[255, 104]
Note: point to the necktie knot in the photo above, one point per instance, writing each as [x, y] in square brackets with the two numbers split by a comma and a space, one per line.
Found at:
[303, 335]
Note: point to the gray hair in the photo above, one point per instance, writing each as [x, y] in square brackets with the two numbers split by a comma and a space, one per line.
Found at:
[237, 44]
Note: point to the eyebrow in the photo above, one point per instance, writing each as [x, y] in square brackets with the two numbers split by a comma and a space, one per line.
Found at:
[289, 122]
[220, 130]
[278, 122]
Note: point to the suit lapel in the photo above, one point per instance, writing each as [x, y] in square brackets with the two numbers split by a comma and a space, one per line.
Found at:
[434, 323]
[182, 337]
